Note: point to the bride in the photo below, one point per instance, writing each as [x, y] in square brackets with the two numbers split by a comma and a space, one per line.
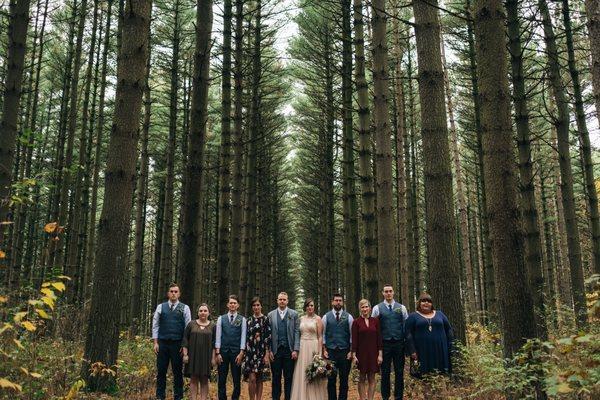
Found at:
[311, 343]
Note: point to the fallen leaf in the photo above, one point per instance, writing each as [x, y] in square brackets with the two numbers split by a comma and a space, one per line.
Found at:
[6, 384]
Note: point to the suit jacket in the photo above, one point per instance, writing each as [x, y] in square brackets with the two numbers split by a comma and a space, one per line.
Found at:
[293, 329]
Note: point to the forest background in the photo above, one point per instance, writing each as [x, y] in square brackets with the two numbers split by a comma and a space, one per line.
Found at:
[255, 146]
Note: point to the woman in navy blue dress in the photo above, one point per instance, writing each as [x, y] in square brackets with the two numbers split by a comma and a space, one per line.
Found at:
[430, 337]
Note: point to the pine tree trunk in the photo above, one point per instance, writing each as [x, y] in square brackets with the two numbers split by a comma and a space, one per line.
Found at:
[383, 147]
[166, 252]
[442, 251]
[76, 217]
[533, 245]
[238, 152]
[514, 298]
[467, 266]
[17, 40]
[102, 342]
[190, 237]
[365, 158]
[141, 196]
[64, 202]
[91, 241]
[584, 138]
[400, 134]
[568, 195]
[350, 205]
[249, 216]
[487, 266]
[592, 10]
[223, 244]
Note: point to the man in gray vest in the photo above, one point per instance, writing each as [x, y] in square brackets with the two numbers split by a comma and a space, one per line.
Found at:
[392, 316]
[337, 340]
[168, 324]
[230, 346]
[285, 344]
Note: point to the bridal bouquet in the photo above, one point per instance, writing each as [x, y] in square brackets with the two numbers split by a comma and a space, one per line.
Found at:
[319, 368]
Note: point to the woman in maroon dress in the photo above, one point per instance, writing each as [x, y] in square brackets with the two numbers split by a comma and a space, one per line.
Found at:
[366, 349]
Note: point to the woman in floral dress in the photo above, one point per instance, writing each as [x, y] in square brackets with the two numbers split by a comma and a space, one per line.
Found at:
[258, 347]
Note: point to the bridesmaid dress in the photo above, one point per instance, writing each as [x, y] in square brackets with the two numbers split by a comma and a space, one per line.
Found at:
[309, 346]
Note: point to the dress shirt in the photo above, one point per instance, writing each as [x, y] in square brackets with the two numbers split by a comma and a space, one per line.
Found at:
[375, 311]
[219, 331]
[187, 315]
[282, 313]
[350, 319]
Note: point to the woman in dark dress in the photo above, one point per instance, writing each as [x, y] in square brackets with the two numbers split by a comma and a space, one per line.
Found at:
[430, 337]
[366, 349]
[258, 346]
[198, 347]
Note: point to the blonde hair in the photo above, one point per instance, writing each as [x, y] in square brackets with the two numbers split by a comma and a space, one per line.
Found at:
[363, 302]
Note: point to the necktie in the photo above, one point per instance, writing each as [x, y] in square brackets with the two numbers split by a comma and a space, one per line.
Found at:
[171, 306]
[230, 318]
[390, 307]
[337, 316]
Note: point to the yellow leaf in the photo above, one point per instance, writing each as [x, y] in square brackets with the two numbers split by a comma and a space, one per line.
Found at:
[2, 254]
[49, 302]
[33, 302]
[564, 388]
[35, 375]
[18, 343]
[6, 327]
[24, 370]
[3, 299]
[50, 227]
[6, 384]
[63, 277]
[29, 326]
[42, 313]
[45, 284]
[48, 292]
[59, 286]
[19, 316]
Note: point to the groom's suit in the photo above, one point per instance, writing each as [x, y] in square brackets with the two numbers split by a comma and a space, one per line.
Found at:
[285, 338]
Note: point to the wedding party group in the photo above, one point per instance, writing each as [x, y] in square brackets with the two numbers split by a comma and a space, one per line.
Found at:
[308, 352]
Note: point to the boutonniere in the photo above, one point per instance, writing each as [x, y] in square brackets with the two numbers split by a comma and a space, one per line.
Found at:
[398, 310]
[343, 318]
[289, 317]
[237, 321]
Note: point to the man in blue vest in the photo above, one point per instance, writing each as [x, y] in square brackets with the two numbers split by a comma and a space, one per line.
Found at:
[230, 346]
[392, 316]
[337, 340]
[285, 345]
[168, 324]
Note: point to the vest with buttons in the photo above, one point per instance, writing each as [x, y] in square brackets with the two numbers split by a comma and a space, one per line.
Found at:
[337, 334]
[231, 334]
[171, 323]
[392, 321]
[282, 337]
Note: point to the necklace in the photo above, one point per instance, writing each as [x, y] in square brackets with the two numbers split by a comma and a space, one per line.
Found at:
[428, 319]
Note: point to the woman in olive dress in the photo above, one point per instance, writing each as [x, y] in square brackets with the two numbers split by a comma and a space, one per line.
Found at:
[198, 347]
[258, 346]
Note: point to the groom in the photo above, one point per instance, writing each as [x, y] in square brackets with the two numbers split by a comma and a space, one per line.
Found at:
[337, 339]
[285, 344]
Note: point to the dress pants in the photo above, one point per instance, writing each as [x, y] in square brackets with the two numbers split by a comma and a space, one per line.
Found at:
[282, 365]
[236, 374]
[169, 351]
[342, 364]
[393, 351]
